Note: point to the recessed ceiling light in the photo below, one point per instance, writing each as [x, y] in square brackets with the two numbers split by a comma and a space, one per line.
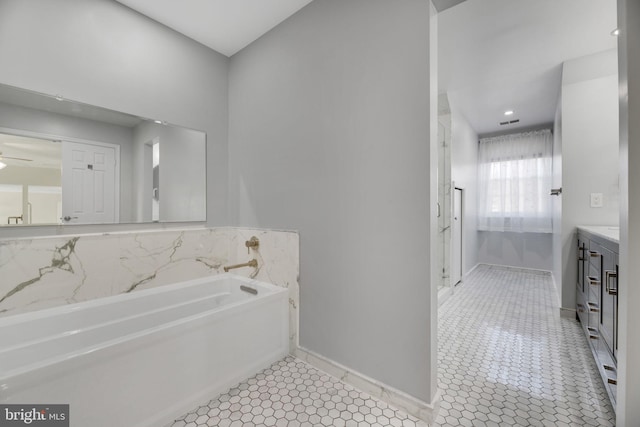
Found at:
[59, 97]
[508, 113]
[2, 165]
[615, 32]
[158, 121]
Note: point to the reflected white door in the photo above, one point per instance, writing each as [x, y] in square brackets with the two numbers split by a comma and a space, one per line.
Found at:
[456, 238]
[88, 183]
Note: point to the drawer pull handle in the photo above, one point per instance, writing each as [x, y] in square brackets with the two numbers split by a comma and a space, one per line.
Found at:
[610, 274]
[593, 307]
[612, 381]
[594, 254]
[609, 368]
[593, 281]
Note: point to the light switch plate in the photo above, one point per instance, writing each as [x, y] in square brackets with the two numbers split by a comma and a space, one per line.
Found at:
[596, 200]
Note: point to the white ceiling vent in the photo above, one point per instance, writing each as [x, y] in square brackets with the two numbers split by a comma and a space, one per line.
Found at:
[510, 122]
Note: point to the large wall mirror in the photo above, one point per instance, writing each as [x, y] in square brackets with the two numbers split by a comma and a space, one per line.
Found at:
[64, 162]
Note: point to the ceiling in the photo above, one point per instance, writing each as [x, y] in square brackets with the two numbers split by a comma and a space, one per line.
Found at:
[30, 152]
[498, 55]
[225, 26]
[494, 55]
[442, 5]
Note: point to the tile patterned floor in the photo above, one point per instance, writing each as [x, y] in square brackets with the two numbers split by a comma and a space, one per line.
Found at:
[293, 393]
[506, 358]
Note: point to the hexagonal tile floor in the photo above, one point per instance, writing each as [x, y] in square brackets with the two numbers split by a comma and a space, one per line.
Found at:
[507, 358]
[293, 393]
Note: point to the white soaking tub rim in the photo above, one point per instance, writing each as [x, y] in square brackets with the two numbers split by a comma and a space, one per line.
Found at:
[80, 330]
[273, 292]
[65, 321]
[67, 318]
[83, 305]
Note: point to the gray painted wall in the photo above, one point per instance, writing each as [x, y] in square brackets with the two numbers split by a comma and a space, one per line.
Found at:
[464, 174]
[329, 134]
[590, 162]
[102, 53]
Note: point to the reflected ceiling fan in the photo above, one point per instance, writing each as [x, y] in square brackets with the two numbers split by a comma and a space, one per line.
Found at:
[4, 165]
[14, 158]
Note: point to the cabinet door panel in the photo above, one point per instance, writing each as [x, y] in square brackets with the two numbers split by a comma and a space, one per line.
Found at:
[608, 299]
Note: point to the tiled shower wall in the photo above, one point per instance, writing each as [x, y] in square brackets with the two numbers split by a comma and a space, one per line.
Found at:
[38, 273]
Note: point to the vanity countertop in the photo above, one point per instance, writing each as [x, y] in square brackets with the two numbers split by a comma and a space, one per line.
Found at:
[610, 233]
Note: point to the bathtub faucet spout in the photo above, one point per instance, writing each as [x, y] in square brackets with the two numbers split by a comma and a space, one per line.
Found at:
[253, 263]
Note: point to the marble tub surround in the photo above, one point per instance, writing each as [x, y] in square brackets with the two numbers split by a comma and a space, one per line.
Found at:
[38, 273]
[278, 256]
[46, 272]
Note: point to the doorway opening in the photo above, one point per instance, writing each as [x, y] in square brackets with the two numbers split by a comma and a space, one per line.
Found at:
[515, 67]
[47, 180]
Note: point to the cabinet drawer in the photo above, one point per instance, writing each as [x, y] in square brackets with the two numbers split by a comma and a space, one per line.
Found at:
[593, 274]
[593, 285]
[593, 321]
[608, 371]
[594, 255]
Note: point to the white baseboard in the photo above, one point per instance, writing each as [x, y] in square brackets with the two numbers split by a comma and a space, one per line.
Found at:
[516, 268]
[444, 294]
[424, 411]
[472, 268]
[568, 313]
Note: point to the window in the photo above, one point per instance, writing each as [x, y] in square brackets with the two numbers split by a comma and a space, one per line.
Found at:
[514, 178]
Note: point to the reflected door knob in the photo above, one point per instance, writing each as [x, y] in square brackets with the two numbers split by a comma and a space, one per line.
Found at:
[68, 218]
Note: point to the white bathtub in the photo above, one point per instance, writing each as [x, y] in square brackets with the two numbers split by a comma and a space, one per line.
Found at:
[142, 359]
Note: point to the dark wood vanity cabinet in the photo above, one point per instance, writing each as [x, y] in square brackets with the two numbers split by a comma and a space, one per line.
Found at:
[597, 302]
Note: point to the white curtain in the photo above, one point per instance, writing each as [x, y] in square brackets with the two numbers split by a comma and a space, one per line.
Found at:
[514, 179]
